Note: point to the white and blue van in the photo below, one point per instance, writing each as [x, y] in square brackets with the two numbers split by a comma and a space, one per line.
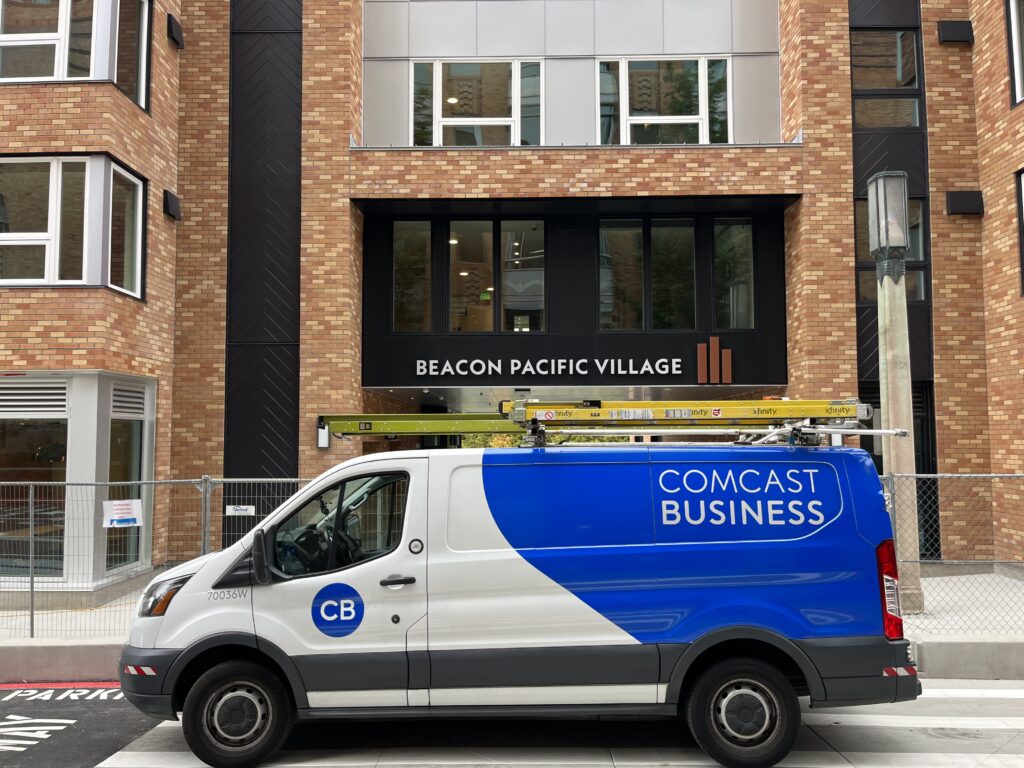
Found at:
[716, 583]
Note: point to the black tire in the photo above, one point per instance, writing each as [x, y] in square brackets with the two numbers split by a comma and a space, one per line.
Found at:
[237, 715]
[743, 713]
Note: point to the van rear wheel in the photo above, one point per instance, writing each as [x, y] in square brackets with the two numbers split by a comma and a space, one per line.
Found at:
[743, 713]
[236, 715]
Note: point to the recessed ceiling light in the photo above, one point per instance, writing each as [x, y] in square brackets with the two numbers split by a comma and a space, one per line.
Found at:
[452, 100]
[516, 261]
[463, 274]
[453, 241]
[515, 244]
[488, 289]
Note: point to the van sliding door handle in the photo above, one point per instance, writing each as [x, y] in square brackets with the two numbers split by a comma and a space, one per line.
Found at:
[397, 581]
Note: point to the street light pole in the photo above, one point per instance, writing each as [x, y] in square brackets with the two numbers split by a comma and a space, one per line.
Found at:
[889, 233]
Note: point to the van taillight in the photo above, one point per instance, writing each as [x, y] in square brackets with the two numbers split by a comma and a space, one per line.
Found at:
[889, 583]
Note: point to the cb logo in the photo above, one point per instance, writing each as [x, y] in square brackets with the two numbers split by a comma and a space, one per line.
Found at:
[337, 610]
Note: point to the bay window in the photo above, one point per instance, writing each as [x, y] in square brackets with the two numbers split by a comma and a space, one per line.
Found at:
[1016, 12]
[476, 103]
[70, 220]
[665, 101]
[74, 40]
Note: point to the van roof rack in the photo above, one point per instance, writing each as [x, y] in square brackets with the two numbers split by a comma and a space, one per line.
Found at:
[747, 422]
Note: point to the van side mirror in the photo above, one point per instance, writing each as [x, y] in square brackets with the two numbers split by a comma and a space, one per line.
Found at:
[260, 566]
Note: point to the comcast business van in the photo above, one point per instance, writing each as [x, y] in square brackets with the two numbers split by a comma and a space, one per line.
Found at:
[715, 583]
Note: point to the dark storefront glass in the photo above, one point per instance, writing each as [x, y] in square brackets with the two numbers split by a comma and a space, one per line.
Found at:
[734, 274]
[621, 278]
[673, 270]
[471, 276]
[32, 450]
[522, 276]
[125, 467]
[411, 253]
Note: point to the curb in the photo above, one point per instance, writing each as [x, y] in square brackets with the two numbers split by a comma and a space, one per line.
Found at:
[54, 660]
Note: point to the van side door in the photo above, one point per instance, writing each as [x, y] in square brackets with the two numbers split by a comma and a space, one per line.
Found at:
[349, 581]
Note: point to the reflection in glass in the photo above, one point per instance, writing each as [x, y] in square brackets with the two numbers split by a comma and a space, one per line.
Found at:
[664, 133]
[471, 276]
[80, 38]
[22, 262]
[718, 101]
[886, 113]
[476, 135]
[481, 89]
[411, 253]
[529, 104]
[664, 88]
[915, 209]
[72, 220]
[621, 261]
[883, 59]
[125, 467]
[522, 276]
[734, 274]
[32, 450]
[867, 285]
[423, 104]
[608, 77]
[123, 233]
[26, 18]
[27, 60]
[24, 197]
[131, 47]
[673, 259]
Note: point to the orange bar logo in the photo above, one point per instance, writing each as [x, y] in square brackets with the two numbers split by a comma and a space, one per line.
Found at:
[714, 364]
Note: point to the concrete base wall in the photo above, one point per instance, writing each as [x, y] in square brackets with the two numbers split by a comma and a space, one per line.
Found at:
[971, 658]
[38, 661]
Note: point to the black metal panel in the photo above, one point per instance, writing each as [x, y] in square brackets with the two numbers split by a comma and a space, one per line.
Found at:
[919, 322]
[262, 411]
[965, 203]
[874, 152]
[885, 13]
[956, 32]
[266, 15]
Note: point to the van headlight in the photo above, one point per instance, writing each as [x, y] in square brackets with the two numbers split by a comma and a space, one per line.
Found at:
[159, 595]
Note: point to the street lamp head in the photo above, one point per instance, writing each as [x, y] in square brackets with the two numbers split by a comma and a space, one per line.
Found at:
[888, 218]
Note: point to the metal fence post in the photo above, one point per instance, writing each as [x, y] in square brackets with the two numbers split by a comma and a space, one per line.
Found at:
[890, 481]
[207, 489]
[31, 561]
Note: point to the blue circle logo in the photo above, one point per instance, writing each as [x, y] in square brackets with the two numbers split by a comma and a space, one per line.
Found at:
[337, 610]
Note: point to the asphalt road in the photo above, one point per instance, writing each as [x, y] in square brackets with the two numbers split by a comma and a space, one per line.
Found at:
[957, 724]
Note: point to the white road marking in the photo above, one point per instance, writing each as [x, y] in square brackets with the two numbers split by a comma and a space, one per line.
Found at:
[911, 721]
[972, 693]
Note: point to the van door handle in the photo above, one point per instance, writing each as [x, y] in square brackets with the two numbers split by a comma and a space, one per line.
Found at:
[397, 581]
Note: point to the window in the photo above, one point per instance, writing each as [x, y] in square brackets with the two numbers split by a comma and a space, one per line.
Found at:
[917, 255]
[670, 101]
[125, 466]
[72, 39]
[477, 103]
[51, 212]
[411, 253]
[1020, 223]
[1017, 48]
[522, 276]
[349, 523]
[886, 86]
[734, 274]
[471, 276]
[673, 275]
[621, 275]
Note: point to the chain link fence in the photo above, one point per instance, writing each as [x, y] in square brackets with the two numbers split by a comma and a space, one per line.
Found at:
[66, 570]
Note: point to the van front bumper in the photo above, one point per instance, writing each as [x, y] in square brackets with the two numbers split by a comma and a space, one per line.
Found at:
[143, 672]
[863, 670]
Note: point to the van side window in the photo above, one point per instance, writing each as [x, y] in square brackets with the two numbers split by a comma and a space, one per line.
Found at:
[354, 521]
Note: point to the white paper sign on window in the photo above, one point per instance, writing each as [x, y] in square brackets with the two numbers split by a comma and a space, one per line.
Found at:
[122, 514]
[240, 510]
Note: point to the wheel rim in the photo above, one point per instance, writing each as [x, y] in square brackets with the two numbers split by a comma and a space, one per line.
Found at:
[238, 715]
[745, 713]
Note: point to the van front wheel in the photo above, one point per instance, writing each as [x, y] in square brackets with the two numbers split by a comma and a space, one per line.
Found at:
[743, 713]
[236, 715]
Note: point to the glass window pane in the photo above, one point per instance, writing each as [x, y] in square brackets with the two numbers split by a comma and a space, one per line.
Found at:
[664, 88]
[302, 542]
[529, 100]
[1017, 31]
[867, 285]
[423, 105]
[886, 113]
[621, 260]
[664, 133]
[915, 208]
[471, 270]
[23, 18]
[24, 197]
[476, 135]
[131, 46]
[718, 101]
[608, 77]
[22, 262]
[673, 258]
[123, 236]
[32, 450]
[27, 60]
[371, 518]
[883, 59]
[522, 276]
[734, 274]
[72, 220]
[125, 466]
[476, 90]
[80, 38]
[411, 253]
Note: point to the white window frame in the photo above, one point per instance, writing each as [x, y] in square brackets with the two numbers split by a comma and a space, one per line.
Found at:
[702, 119]
[140, 195]
[51, 238]
[1017, 50]
[514, 122]
[59, 39]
